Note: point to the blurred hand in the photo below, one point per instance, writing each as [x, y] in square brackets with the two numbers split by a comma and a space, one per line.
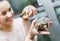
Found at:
[50, 23]
[29, 11]
[32, 32]
[33, 29]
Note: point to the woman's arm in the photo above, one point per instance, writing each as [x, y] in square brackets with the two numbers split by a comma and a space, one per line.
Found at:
[32, 31]
[29, 37]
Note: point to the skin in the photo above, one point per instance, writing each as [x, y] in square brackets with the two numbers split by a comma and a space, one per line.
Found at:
[6, 16]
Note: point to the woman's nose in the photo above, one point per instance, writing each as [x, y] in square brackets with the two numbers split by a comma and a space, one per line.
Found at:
[9, 14]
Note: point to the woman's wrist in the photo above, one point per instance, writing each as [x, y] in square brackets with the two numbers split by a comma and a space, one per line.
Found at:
[30, 36]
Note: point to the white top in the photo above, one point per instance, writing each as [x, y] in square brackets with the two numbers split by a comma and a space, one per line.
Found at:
[17, 34]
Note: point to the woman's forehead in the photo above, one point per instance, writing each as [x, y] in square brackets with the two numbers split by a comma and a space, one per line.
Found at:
[4, 5]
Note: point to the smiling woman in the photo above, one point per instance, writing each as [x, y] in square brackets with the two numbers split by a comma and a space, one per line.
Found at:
[6, 15]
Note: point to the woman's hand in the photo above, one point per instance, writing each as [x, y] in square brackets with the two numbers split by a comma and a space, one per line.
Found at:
[33, 30]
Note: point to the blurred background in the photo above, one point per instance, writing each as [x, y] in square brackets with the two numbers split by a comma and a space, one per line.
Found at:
[50, 8]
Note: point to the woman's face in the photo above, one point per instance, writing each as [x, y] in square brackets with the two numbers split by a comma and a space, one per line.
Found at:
[6, 13]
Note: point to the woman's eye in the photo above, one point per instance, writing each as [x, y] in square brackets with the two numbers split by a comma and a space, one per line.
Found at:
[9, 9]
[4, 13]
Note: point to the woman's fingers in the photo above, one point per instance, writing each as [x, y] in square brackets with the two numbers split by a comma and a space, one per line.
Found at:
[34, 22]
[50, 23]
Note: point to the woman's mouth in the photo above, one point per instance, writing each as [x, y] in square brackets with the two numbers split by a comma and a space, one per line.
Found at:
[9, 19]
